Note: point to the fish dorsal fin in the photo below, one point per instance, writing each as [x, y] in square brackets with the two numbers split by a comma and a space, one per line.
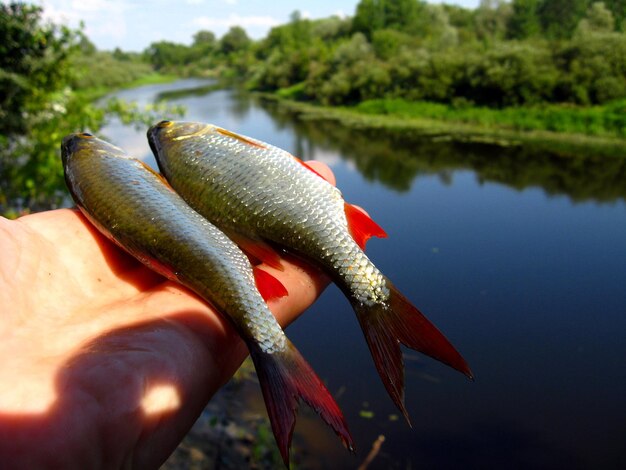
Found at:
[240, 138]
[269, 287]
[310, 168]
[158, 175]
[361, 226]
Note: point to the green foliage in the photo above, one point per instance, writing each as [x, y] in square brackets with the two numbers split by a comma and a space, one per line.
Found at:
[33, 65]
[524, 20]
[166, 54]
[107, 70]
[597, 20]
[235, 40]
[609, 120]
[41, 66]
[501, 54]
[559, 18]
[373, 15]
[491, 19]
[451, 55]
[205, 39]
[510, 74]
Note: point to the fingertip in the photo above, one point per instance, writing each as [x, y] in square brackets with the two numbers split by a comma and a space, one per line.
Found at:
[304, 284]
[324, 170]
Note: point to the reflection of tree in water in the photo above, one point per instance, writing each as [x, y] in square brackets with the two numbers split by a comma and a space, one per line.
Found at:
[197, 91]
[240, 106]
[396, 158]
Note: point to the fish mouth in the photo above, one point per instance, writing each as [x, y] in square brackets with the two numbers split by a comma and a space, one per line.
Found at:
[70, 143]
[166, 132]
[153, 139]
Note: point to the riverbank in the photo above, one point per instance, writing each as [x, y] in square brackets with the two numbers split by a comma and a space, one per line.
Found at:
[154, 78]
[500, 127]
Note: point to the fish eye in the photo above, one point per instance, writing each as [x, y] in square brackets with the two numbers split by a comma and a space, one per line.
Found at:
[164, 124]
[85, 135]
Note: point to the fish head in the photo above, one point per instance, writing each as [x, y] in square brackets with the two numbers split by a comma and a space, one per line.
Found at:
[85, 145]
[72, 143]
[166, 136]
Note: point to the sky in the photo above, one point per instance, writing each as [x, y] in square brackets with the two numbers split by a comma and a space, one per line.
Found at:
[133, 25]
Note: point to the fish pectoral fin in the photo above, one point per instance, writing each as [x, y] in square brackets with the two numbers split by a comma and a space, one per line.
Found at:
[285, 379]
[258, 249]
[386, 325]
[269, 287]
[361, 225]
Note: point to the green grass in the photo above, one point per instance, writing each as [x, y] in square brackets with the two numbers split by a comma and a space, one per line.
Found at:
[604, 121]
[153, 78]
[563, 130]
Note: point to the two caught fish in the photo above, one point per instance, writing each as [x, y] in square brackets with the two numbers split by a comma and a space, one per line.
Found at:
[259, 196]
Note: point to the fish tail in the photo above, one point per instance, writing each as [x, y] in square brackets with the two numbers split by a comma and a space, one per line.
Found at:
[386, 325]
[286, 378]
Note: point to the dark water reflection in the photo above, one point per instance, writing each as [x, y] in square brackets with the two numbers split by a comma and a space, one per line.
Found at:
[519, 256]
[396, 159]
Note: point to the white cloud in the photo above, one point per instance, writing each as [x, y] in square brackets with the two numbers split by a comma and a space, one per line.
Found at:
[102, 18]
[235, 20]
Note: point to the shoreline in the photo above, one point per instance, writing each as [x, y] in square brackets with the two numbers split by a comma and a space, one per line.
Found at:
[441, 130]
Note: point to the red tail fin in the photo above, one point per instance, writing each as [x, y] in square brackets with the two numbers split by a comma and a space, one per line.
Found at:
[285, 378]
[387, 325]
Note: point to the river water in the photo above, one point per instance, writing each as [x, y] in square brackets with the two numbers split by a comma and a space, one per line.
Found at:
[518, 255]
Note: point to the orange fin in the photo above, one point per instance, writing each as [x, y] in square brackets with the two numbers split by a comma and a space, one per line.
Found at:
[240, 138]
[310, 168]
[285, 379]
[269, 287]
[386, 325]
[258, 249]
[361, 226]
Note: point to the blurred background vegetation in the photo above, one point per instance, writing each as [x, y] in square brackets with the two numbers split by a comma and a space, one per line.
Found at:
[523, 65]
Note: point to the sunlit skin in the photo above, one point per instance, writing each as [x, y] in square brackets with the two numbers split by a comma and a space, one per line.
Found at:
[105, 364]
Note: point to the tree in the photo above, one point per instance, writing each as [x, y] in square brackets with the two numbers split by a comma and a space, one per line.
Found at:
[34, 64]
[492, 17]
[236, 39]
[597, 20]
[523, 22]
[559, 18]
[373, 15]
[204, 38]
[618, 9]
[162, 54]
[369, 17]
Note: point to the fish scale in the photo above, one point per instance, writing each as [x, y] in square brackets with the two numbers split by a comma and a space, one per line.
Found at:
[130, 204]
[256, 190]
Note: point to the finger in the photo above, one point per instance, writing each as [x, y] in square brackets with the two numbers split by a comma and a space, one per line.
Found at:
[324, 170]
[304, 283]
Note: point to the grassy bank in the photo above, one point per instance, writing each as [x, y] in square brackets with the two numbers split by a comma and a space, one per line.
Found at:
[603, 121]
[152, 78]
[600, 130]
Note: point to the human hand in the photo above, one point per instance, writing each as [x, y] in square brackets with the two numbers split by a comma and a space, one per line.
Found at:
[103, 363]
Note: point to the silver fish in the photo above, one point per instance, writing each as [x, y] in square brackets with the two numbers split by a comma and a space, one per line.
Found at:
[133, 206]
[258, 193]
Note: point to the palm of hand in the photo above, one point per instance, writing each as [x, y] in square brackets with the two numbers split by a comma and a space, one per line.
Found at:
[104, 363]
